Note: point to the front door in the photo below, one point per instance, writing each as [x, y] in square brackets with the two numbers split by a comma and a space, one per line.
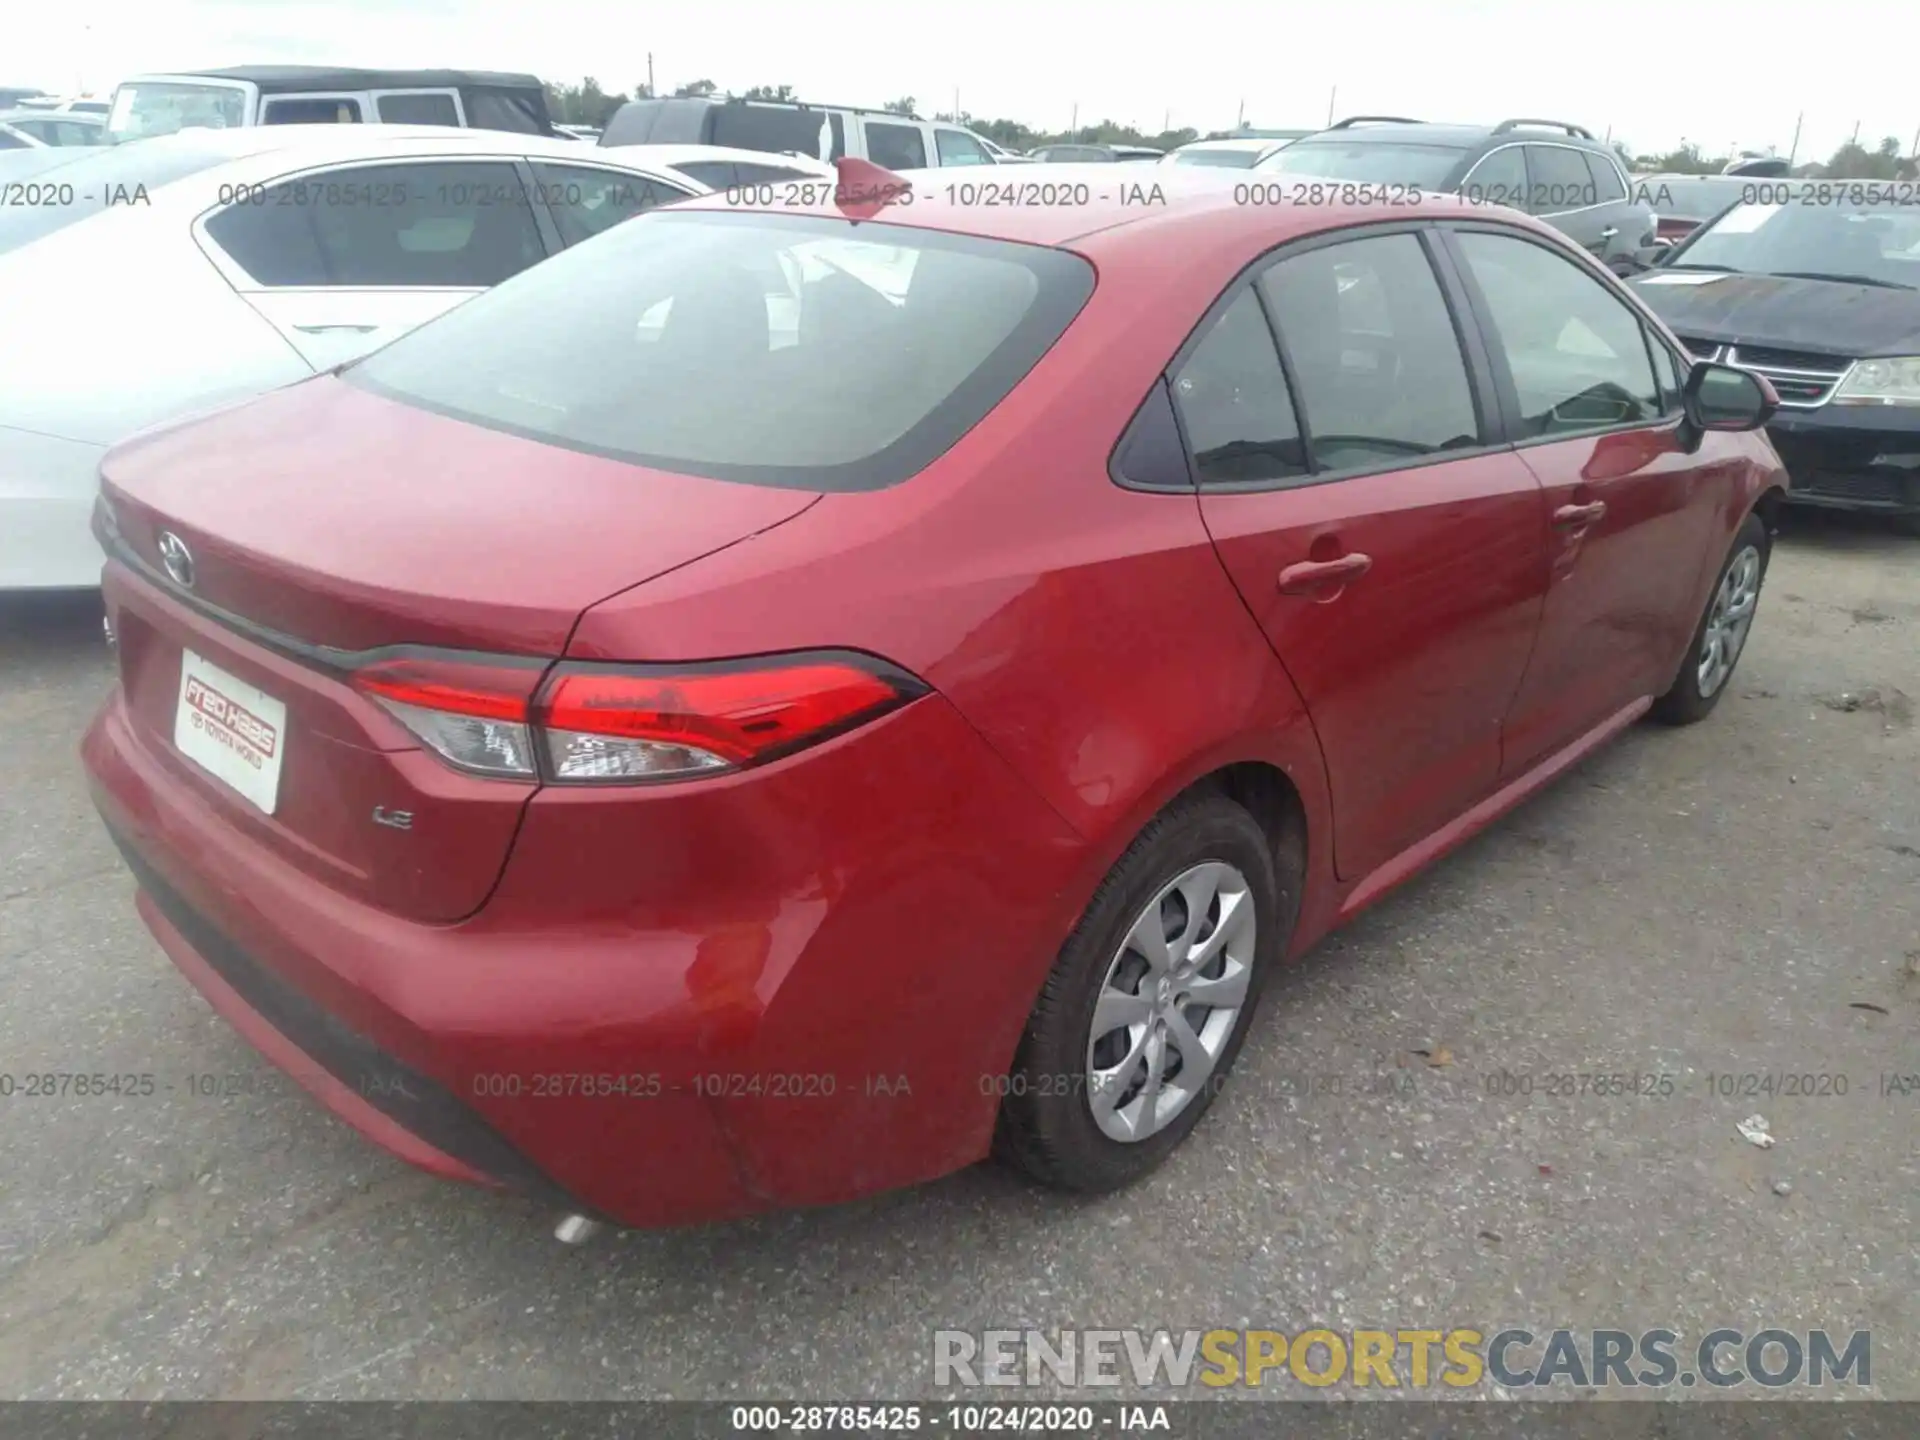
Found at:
[1389, 549]
[1627, 511]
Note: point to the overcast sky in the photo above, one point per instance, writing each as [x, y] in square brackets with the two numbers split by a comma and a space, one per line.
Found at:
[1655, 72]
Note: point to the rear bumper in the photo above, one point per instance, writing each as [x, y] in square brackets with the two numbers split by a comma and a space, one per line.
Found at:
[1851, 458]
[607, 1036]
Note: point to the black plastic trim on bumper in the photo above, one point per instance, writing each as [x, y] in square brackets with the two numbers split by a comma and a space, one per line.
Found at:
[420, 1104]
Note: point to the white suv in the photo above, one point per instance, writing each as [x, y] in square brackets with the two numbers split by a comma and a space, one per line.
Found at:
[825, 132]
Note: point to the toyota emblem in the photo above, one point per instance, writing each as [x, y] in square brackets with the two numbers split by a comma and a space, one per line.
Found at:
[177, 558]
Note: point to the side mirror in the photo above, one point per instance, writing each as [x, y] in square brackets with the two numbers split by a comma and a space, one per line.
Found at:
[1722, 397]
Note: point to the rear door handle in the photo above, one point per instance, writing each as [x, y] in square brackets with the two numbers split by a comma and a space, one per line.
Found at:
[1311, 575]
[1578, 517]
[1609, 232]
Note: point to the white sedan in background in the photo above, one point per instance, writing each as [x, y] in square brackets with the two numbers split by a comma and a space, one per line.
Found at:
[145, 282]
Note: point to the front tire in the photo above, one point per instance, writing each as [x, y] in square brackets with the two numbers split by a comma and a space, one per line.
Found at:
[1721, 636]
[1150, 1000]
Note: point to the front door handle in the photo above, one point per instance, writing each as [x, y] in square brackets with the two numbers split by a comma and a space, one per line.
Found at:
[1579, 517]
[1311, 575]
[1609, 232]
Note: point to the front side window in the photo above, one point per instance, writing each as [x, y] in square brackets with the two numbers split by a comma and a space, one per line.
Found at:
[587, 200]
[1234, 405]
[1577, 354]
[312, 110]
[1500, 178]
[1381, 375]
[896, 147]
[434, 224]
[162, 107]
[957, 147]
[773, 349]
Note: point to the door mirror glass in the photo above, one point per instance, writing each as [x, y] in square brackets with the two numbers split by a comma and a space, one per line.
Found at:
[1720, 397]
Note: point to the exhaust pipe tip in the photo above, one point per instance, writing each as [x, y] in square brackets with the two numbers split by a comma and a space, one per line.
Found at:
[576, 1230]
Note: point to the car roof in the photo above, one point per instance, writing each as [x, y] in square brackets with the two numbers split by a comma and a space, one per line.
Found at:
[1119, 206]
[328, 141]
[681, 154]
[334, 77]
[1451, 136]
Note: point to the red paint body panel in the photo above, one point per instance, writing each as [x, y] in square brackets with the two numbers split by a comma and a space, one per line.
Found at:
[825, 963]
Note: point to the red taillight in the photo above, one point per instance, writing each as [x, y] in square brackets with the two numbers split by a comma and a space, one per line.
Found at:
[1670, 229]
[599, 723]
[473, 713]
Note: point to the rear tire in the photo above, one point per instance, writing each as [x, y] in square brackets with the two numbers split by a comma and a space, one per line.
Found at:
[1720, 639]
[1195, 908]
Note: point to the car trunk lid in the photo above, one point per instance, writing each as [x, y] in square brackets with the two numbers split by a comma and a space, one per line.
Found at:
[314, 531]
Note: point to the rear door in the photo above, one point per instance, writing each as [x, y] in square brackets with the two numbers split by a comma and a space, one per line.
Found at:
[343, 259]
[1627, 511]
[1385, 539]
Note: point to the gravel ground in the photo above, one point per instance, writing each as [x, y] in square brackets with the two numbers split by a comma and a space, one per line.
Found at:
[1743, 896]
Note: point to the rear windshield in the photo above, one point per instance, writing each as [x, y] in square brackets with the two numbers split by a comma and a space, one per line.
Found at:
[789, 350]
[1375, 163]
[162, 107]
[91, 181]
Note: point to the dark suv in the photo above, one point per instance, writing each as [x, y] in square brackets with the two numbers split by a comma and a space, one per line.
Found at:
[1544, 167]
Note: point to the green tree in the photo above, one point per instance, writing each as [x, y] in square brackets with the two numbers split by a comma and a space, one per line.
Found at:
[695, 89]
[902, 106]
[770, 92]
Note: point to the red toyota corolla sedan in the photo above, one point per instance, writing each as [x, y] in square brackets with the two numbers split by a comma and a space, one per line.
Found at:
[778, 703]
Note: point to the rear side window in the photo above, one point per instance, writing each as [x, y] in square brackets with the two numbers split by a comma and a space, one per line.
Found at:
[1577, 354]
[312, 110]
[1381, 376]
[1233, 402]
[896, 147]
[521, 112]
[769, 127]
[785, 350]
[456, 224]
[421, 109]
